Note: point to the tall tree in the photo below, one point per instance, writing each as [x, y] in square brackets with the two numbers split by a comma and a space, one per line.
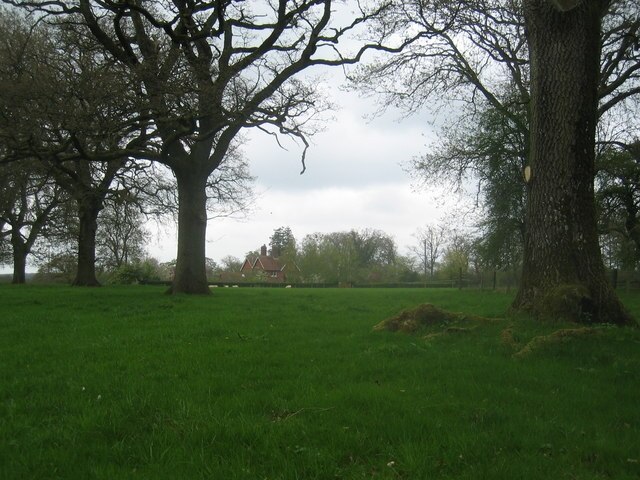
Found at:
[89, 189]
[98, 114]
[28, 194]
[206, 70]
[283, 243]
[561, 250]
[482, 52]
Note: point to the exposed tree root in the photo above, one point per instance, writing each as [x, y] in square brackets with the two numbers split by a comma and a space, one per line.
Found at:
[559, 336]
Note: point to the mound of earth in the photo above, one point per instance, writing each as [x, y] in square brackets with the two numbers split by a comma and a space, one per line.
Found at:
[415, 319]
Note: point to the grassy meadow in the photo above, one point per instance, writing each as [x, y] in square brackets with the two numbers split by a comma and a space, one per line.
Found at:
[125, 382]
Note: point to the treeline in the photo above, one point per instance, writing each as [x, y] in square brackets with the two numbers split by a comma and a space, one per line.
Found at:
[369, 256]
[441, 256]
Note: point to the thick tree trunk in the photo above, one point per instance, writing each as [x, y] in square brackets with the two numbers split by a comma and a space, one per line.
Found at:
[631, 223]
[88, 211]
[191, 275]
[563, 274]
[19, 263]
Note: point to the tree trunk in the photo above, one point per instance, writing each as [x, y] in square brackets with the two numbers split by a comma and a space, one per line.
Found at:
[20, 253]
[631, 223]
[191, 274]
[88, 210]
[563, 274]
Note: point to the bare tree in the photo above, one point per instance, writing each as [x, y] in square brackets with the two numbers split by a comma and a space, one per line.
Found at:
[229, 263]
[431, 241]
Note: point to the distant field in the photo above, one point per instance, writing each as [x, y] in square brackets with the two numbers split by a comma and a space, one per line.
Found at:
[125, 382]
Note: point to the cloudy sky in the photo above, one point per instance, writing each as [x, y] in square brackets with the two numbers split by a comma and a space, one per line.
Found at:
[355, 178]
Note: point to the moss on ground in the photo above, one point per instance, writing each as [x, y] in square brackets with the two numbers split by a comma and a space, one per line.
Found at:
[433, 322]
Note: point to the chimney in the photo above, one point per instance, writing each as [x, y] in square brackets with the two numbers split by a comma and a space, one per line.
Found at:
[263, 250]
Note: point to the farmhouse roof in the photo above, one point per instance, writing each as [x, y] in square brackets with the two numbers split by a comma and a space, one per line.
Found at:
[268, 263]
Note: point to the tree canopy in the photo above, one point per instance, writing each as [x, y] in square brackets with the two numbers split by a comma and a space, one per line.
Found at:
[200, 72]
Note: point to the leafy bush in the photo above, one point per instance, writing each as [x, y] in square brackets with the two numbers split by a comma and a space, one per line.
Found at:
[60, 268]
[142, 271]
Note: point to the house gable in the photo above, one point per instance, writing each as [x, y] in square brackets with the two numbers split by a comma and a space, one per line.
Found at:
[246, 266]
[272, 267]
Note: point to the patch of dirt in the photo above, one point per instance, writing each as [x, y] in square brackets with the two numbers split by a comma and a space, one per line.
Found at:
[423, 316]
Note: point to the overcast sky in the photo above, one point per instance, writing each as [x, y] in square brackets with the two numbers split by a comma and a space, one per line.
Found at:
[355, 178]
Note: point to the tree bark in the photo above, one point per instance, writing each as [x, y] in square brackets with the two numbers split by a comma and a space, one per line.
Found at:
[563, 273]
[191, 275]
[19, 263]
[88, 210]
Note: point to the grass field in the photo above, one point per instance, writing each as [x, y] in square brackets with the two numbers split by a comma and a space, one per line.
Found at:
[118, 383]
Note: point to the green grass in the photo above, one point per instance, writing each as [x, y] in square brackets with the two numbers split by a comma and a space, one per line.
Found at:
[294, 384]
